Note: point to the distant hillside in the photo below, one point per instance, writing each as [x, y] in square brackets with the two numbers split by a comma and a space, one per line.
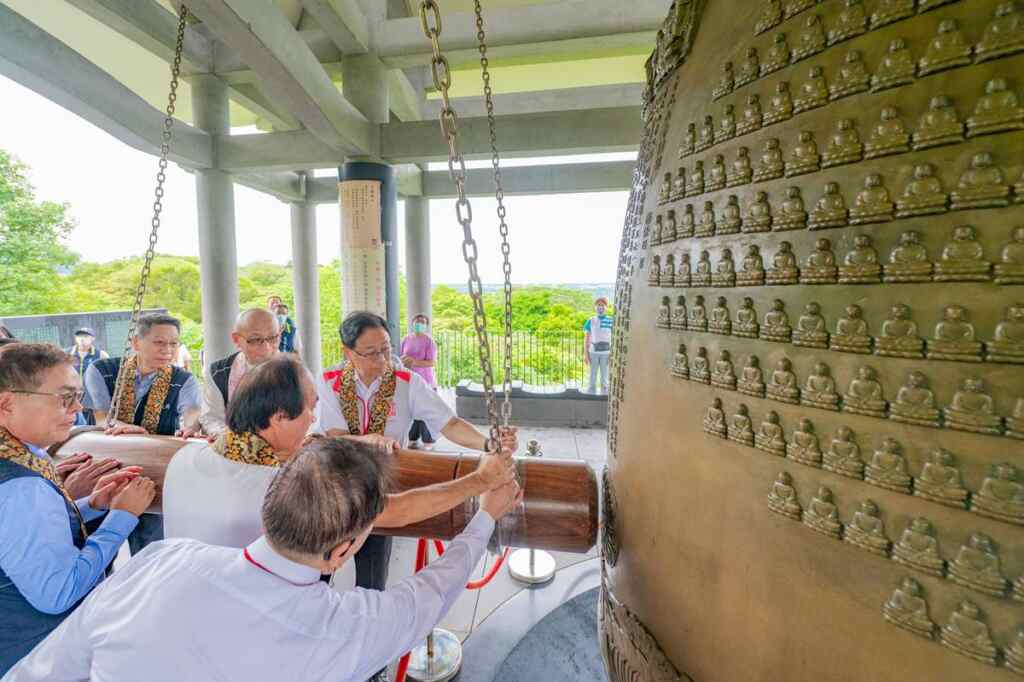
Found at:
[595, 289]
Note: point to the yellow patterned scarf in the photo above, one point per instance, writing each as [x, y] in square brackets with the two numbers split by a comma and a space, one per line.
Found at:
[15, 451]
[125, 411]
[344, 387]
[247, 448]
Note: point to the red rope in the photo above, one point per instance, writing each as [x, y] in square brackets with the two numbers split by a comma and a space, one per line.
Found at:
[477, 584]
[422, 549]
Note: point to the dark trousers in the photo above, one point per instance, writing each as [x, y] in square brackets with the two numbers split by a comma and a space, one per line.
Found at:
[372, 562]
[419, 431]
[150, 529]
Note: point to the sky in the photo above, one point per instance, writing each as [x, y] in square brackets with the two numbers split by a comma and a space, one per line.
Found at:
[109, 186]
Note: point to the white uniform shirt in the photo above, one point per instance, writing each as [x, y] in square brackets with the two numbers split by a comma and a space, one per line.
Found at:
[414, 399]
[214, 416]
[213, 499]
[182, 610]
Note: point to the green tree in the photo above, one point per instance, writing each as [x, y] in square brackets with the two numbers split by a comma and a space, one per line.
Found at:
[32, 250]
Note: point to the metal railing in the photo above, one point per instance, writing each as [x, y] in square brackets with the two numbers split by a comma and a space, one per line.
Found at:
[538, 358]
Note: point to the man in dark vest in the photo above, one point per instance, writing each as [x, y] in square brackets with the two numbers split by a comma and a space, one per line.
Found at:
[256, 335]
[158, 398]
[47, 561]
[84, 352]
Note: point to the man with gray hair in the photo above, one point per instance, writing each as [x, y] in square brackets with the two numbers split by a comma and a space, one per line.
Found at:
[262, 613]
[256, 335]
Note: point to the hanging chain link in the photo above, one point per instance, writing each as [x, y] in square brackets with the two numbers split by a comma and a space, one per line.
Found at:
[430, 19]
[499, 195]
[158, 206]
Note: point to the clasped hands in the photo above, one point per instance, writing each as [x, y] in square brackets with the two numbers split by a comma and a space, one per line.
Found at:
[106, 483]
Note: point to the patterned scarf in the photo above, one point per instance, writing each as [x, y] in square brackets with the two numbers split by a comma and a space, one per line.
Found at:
[125, 411]
[344, 387]
[15, 451]
[247, 448]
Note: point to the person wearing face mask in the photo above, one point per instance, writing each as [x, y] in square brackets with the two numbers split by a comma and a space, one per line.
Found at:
[289, 332]
[256, 335]
[419, 353]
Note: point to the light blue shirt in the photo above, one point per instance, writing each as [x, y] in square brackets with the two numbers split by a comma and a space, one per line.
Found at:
[182, 610]
[190, 397]
[36, 548]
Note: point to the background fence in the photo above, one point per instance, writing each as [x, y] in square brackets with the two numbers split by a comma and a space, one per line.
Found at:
[538, 358]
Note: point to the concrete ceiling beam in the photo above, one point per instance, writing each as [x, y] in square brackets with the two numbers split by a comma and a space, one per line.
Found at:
[148, 24]
[40, 62]
[546, 134]
[401, 41]
[275, 152]
[551, 134]
[291, 74]
[565, 178]
[538, 101]
[286, 186]
[344, 23]
[250, 96]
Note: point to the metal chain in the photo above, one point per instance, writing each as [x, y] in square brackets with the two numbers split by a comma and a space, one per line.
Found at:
[161, 176]
[430, 19]
[499, 194]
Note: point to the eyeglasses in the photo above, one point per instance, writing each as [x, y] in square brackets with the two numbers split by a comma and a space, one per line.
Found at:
[260, 340]
[66, 399]
[384, 352]
[167, 345]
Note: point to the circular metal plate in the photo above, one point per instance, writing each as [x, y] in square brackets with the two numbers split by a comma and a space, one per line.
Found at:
[539, 569]
[443, 665]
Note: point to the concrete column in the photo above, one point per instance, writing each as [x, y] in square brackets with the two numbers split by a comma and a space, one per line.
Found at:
[215, 200]
[306, 283]
[417, 257]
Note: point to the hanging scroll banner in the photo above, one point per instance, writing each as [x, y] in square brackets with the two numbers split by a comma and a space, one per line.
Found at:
[363, 281]
[368, 197]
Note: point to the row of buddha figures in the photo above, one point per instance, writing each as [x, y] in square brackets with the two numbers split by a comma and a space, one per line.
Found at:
[885, 12]
[982, 184]
[976, 565]
[967, 632]
[972, 408]
[953, 338]
[948, 47]
[962, 259]
[890, 136]
[1001, 495]
[995, 110]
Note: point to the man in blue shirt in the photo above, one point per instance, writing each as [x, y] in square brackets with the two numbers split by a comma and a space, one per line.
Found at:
[598, 344]
[47, 561]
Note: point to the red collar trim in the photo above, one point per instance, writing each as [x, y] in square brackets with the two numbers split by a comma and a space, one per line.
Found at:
[248, 557]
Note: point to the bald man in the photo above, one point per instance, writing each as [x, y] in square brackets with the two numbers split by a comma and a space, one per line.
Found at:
[256, 334]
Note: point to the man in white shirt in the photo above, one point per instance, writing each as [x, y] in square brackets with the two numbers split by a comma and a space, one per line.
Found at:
[256, 335]
[368, 396]
[183, 610]
[213, 493]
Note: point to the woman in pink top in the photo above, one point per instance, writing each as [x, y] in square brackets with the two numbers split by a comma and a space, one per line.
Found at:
[418, 353]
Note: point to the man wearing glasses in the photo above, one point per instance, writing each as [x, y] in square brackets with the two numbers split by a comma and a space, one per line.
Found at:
[161, 399]
[256, 335]
[48, 562]
[368, 398]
